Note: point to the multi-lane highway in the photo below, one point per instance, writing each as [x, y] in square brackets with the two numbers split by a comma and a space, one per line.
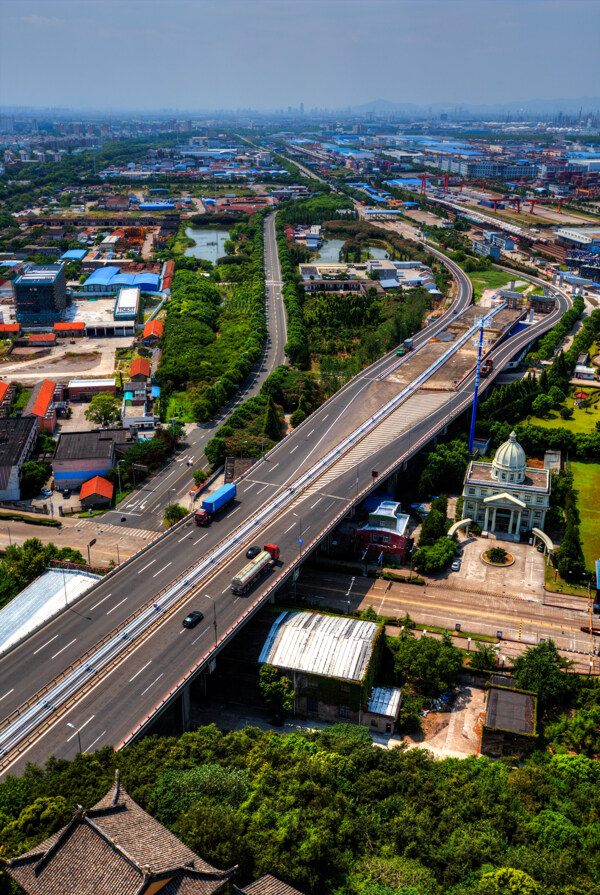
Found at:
[151, 666]
[144, 508]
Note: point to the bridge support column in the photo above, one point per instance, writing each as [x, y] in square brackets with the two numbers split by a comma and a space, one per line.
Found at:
[185, 708]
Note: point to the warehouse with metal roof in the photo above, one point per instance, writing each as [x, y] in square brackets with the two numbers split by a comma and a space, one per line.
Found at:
[321, 644]
[108, 280]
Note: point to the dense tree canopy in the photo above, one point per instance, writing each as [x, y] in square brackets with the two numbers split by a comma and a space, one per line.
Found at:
[330, 813]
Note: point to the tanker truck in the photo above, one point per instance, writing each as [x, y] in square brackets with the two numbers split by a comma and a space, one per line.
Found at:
[258, 566]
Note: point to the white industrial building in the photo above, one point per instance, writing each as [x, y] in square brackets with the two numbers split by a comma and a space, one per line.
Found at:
[40, 601]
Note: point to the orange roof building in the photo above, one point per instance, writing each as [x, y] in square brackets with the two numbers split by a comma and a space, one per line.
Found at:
[10, 329]
[77, 327]
[3, 391]
[153, 330]
[96, 491]
[40, 404]
[140, 368]
[41, 338]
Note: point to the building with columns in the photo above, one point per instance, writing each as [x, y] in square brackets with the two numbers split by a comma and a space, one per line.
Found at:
[506, 497]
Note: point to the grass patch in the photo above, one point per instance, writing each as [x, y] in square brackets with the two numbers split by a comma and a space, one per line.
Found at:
[490, 279]
[87, 513]
[180, 406]
[30, 520]
[560, 586]
[586, 480]
[583, 421]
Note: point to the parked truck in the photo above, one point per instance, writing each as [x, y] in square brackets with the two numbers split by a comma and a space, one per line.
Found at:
[214, 503]
[252, 571]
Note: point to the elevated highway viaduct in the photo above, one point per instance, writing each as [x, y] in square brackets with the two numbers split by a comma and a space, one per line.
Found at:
[294, 497]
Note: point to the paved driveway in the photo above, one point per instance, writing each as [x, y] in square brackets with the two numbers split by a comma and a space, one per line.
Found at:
[525, 577]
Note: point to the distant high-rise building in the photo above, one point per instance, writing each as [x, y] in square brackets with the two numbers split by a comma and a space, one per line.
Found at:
[302, 108]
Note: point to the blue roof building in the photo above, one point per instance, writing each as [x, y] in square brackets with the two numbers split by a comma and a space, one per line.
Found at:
[108, 280]
[73, 255]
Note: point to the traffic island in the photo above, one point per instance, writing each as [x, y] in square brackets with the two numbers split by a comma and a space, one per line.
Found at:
[497, 556]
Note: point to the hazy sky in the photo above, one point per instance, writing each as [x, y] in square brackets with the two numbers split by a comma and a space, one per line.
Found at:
[265, 54]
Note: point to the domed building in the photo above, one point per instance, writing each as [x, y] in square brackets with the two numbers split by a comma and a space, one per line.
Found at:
[506, 497]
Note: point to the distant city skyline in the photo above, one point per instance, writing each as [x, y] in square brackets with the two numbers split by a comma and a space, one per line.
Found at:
[270, 54]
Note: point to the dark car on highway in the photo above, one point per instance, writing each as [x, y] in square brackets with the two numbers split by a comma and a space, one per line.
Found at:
[252, 552]
[191, 620]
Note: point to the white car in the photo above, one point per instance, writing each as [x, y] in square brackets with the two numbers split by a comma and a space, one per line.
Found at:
[455, 565]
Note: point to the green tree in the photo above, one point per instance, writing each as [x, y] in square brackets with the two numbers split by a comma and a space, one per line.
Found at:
[497, 554]
[542, 405]
[429, 665]
[271, 426]
[26, 562]
[557, 395]
[173, 513]
[507, 881]
[33, 477]
[104, 409]
[276, 689]
[542, 669]
[435, 558]
[484, 657]
[199, 476]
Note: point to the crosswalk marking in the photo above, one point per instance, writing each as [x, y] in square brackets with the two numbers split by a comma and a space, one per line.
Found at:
[113, 529]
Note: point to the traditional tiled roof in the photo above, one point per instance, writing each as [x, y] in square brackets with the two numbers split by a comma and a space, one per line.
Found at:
[10, 328]
[268, 885]
[153, 328]
[140, 366]
[115, 847]
[97, 485]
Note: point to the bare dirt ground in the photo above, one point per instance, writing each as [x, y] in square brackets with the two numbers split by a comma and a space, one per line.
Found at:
[455, 733]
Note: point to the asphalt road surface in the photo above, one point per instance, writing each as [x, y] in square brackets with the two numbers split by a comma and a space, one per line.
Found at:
[144, 508]
[109, 712]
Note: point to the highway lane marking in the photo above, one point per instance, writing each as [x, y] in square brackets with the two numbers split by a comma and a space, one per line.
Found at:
[64, 648]
[325, 417]
[201, 538]
[100, 601]
[252, 485]
[46, 644]
[225, 590]
[199, 636]
[79, 729]
[315, 503]
[294, 449]
[7, 694]
[274, 467]
[290, 528]
[186, 535]
[117, 605]
[163, 568]
[89, 748]
[310, 433]
[152, 684]
[146, 566]
[262, 489]
[140, 671]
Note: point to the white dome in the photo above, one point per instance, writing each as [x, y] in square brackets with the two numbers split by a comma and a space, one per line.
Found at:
[510, 461]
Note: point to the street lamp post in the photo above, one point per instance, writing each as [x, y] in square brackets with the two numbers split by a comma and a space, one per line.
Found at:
[352, 580]
[299, 518]
[119, 474]
[214, 614]
[72, 726]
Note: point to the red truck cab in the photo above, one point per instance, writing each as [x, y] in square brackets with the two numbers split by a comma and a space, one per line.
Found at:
[201, 517]
[273, 549]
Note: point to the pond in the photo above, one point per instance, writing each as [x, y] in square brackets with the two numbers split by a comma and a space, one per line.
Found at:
[330, 251]
[209, 243]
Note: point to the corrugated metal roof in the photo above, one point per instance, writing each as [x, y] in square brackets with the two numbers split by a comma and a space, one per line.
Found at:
[39, 601]
[320, 644]
[384, 701]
